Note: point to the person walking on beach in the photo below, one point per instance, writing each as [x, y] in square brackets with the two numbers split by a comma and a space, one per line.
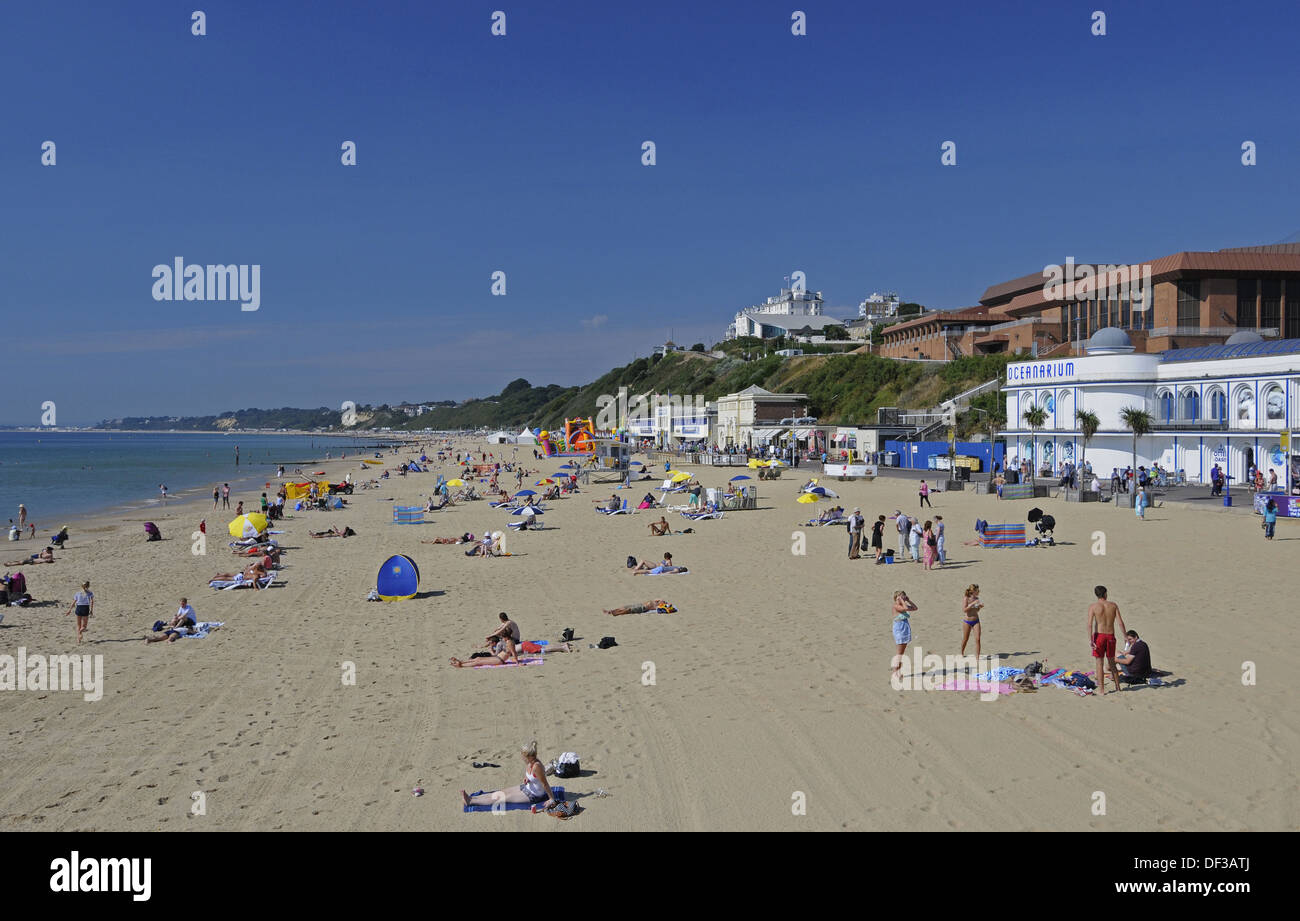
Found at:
[1103, 615]
[938, 533]
[83, 603]
[22, 518]
[929, 545]
[915, 539]
[902, 627]
[856, 523]
[225, 495]
[904, 530]
[1140, 503]
[970, 618]
[924, 493]
[162, 487]
[216, 497]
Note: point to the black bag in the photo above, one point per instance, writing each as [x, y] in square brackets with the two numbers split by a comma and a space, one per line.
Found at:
[567, 634]
[606, 642]
[566, 769]
[631, 562]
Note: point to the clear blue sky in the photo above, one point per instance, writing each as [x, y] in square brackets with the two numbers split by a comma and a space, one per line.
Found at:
[522, 153]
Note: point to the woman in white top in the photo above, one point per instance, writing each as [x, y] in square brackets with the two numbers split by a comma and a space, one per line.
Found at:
[84, 605]
[535, 789]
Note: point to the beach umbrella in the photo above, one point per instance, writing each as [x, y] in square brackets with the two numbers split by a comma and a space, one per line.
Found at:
[546, 482]
[808, 498]
[636, 464]
[526, 492]
[568, 466]
[740, 477]
[456, 482]
[528, 510]
[680, 477]
[250, 525]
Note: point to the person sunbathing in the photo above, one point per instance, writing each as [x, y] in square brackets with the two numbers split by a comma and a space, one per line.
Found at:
[334, 532]
[45, 556]
[660, 528]
[502, 652]
[251, 573]
[638, 608]
[666, 566]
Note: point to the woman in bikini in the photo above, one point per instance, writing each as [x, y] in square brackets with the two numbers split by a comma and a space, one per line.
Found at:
[502, 652]
[970, 617]
[535, 789]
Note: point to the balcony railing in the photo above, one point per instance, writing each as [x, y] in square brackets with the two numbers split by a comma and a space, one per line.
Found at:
[1266, 332]
[1196, 425]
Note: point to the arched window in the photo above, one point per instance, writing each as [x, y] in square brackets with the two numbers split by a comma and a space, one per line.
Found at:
[1274, 404]
[1244, 401]
[1218, 404]
[1190, 404]
[1065, 410]
[1166, 401]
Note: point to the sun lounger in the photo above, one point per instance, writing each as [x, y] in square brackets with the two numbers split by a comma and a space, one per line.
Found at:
[619, 511]
[702, 516]
[239, 581]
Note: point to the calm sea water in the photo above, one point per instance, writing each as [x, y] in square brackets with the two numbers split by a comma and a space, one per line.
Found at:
[62, 476]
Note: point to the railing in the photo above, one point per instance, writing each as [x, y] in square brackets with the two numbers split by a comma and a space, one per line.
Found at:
[1193, 425]
[1266, 332]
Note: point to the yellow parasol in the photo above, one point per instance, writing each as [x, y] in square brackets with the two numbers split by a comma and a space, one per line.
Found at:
[249, 525]
[456, 482]
[808, 498]
[680, 476]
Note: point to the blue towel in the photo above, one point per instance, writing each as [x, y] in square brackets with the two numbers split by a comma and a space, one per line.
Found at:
[559, 798]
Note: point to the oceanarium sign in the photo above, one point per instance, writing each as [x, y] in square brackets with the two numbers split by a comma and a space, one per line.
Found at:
[1040, 371]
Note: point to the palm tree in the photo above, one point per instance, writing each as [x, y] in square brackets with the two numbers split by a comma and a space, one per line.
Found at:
[1088, 426]
[1035, 417]
[1138, 422]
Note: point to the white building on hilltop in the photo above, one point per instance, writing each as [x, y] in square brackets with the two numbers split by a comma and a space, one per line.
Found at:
[1236, 405]
[777, 314]
[878, 306]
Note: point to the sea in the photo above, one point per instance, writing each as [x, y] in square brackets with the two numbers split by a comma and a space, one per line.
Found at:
[62, 476]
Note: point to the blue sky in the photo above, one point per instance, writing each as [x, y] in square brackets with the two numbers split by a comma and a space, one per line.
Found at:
[522, 153]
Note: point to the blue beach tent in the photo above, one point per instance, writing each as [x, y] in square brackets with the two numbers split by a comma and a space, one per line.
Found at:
[399, 578]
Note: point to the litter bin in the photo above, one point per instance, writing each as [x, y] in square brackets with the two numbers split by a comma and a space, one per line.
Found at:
[962, 474]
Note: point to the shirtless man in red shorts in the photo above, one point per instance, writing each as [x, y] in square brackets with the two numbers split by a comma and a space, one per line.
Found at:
[1103, 615]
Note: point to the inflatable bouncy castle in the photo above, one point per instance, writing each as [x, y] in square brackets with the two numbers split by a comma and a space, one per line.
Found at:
[579, 439]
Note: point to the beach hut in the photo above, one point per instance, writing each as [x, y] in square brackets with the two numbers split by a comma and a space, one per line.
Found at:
[399, 578]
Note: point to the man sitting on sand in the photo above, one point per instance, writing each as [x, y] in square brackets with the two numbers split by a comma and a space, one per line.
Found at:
[1135, 661]
[508, 628]
[657, 528]
[183, 623]
[654, 605]
[45, 556]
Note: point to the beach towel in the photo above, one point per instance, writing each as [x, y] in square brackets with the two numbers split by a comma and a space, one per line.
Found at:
[557, 791]
[203, 629]
[670, 571]
[983, 686]
[1001, 674]
[523, 660]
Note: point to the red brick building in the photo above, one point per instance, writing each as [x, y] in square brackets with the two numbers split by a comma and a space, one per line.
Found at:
[1197, 298]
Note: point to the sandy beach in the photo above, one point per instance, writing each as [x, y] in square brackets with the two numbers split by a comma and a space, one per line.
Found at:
[770, 681]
